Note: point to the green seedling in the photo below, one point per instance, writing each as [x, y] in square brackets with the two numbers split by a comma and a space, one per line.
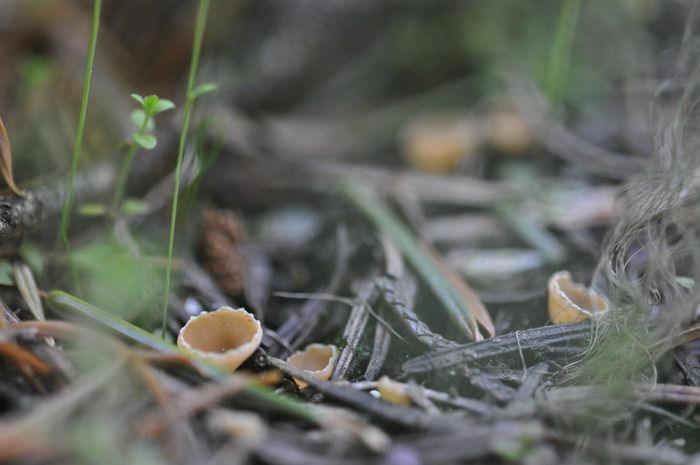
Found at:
[142, 118]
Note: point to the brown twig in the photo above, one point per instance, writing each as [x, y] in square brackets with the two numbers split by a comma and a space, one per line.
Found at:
[46, 200]
[354, 330]
[380, 350]
[402, 416]
[395, 300]
[547, 343]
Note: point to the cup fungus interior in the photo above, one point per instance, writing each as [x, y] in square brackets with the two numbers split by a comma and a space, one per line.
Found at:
[219, 333]
[316, 357]
[570, 302]
[226, 336]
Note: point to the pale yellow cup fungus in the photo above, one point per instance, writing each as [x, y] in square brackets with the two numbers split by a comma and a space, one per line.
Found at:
[225, 337]
[439, 142]
[316, 359]
[393, 391]
[569, 301]
[247, 428]
[509, 132]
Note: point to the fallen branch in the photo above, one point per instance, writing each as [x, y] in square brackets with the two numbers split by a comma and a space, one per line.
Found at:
[45, 201]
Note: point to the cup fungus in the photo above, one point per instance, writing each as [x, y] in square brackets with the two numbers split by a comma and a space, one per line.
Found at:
[317, 359]
[247, 428]
[509, 132]
[225, 337]
[439, 142]
[393, 391]
[569, 302]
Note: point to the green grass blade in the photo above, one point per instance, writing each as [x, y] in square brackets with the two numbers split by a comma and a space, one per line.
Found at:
[68, 303]
[532, 233]
[68, 204]
[560, 59]
[196, 51]
[385, 219]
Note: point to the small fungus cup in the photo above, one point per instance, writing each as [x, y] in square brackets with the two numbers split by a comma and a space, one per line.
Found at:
[439, 142]
[225, 337]
[316, 359]
[569, 302]
[393, 391]
[509, 132]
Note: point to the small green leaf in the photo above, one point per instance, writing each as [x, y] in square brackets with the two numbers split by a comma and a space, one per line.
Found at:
[147, 141]
[92, 209]
[133, 206]
[151, 101]
[139, 99]
[139, 116]
[7, 275]
[161, 106]
[203, 89]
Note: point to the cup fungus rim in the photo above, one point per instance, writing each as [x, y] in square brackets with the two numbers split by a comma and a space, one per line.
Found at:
[560, 287]
[323, 373]
[316, 345]
[230, 358]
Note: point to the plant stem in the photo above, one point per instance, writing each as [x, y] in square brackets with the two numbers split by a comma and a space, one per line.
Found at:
[68, 205]
[124, 171]
[196, 50]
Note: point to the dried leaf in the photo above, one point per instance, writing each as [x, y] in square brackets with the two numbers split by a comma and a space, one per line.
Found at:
[29, 290]
[7, 317]
[20, 355]
[471, 298]
[6, 161]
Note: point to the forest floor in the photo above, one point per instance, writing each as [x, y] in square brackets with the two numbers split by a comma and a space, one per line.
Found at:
[408, 191]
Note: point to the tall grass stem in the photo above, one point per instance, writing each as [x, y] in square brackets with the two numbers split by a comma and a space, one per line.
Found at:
[196, 51]
[68, 204]
[560, 59]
